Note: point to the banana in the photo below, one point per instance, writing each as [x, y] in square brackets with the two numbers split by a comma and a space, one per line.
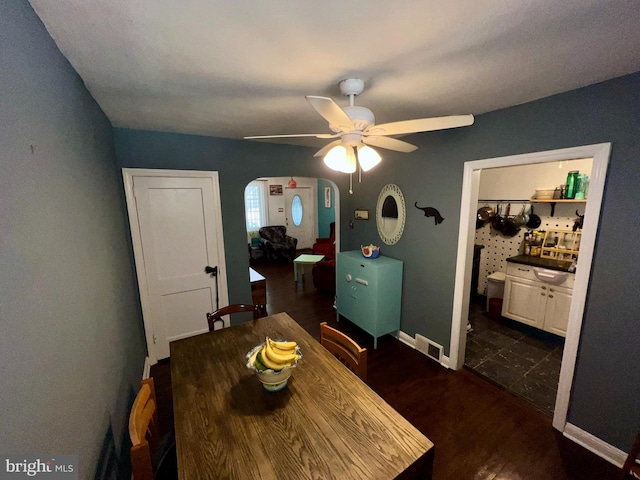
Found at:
[278, 357]
[279, 350]
[259, 363]
[268, 362]
[284, 346]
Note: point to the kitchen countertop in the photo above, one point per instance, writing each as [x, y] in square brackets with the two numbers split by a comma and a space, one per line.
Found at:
[549, 263]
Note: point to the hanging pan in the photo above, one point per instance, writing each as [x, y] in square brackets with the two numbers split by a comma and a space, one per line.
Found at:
[486, 213]
[497, 222]
[521, 219]
[509, 228]
[534, 220]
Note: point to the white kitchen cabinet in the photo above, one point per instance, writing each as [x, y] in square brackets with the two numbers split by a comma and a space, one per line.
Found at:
[557, 310]
[535, 303]
[524, 301]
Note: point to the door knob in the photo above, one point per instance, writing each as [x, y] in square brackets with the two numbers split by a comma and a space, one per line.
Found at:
[211, 270]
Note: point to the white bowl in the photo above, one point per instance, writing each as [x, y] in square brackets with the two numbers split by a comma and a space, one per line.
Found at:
[544, 193]
[271, 380]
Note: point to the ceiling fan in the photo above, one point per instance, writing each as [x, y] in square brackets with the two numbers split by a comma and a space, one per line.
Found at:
[355, 130]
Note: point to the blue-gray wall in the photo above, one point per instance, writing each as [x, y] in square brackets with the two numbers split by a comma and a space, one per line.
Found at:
[325, 215]
[605, 396]
[71, 340]
[237, 163]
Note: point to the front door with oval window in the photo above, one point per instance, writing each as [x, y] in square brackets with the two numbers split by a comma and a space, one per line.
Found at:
[299, 215]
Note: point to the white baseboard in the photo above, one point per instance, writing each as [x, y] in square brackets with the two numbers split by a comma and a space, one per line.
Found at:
[407, 339]
[592, 443]
[146, 371]
[411, 341]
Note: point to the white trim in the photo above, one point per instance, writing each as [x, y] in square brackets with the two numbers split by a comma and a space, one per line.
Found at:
[445, 362]
[127, 176]
[470, 185]
[411, 342]
[407, 339]
[146, 370]
[592, 443]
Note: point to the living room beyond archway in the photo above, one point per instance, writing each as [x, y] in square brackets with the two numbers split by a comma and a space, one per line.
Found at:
[266, 205]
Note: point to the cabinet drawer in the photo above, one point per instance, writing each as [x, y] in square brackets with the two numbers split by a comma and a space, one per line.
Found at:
[528, 272]
[521, 271]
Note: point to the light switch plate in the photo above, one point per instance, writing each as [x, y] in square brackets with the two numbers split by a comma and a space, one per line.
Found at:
[361, 214]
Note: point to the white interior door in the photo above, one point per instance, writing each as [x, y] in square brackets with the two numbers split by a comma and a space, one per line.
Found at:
[176, 228]
[300, 218]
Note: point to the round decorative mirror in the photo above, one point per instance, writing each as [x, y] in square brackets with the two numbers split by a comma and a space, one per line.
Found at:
[390, 214]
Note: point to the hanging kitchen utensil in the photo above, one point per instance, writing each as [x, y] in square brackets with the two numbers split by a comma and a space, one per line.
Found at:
[534, 220]
[578, 222]
[486, 213]
[519, 219]
[497, 222]
[509, 228]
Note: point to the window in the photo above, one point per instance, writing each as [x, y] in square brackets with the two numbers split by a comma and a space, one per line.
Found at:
[255, 205]
[296, 210]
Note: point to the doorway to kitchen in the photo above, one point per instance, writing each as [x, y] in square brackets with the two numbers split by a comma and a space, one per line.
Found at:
[519, 350]
[468, 215]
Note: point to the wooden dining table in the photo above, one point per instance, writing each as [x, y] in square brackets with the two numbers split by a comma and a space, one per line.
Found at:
[325, 424]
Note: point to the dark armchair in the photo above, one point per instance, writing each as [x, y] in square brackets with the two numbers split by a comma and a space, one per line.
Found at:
[277, 244]
[324, 275]
[326, 246]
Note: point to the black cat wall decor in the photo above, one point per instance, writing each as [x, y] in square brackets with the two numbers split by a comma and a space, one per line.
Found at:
[431, 212]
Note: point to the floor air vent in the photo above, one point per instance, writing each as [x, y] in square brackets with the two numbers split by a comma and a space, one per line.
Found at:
[430, 348]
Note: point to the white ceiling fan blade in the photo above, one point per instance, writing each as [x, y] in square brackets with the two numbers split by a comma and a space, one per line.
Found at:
[331, 112]
[389, 143]
[324, 150]
[421, 125]
[317, 135]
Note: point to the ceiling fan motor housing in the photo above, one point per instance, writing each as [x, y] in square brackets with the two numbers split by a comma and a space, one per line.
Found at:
[351, 86]
[361, 117]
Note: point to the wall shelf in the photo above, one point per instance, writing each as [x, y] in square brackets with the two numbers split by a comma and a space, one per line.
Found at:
[550, 201]
[553, 201]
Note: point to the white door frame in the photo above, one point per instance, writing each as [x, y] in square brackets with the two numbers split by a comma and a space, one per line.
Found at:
[127, 175]
[466, 238]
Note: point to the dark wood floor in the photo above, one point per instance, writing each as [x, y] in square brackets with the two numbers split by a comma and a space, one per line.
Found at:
[479, 430]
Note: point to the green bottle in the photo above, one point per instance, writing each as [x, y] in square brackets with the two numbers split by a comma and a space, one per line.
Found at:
[572, 178]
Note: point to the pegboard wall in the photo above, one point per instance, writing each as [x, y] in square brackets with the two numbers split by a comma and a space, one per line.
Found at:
[497, 247]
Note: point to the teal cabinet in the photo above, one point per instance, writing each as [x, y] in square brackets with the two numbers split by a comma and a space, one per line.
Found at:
[369, 292]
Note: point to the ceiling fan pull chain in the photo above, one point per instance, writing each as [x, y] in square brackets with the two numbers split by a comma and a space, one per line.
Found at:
[351, 184]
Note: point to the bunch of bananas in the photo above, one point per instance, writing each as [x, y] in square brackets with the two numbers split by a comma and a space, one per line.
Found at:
[276, 355]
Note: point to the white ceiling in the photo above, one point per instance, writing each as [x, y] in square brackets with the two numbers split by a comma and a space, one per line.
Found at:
[231, 68]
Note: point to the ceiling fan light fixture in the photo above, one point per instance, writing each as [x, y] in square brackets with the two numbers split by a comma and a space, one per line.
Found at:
[368, 158]
[341, 159]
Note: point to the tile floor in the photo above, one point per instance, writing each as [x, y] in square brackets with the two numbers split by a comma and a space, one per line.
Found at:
[524, 360]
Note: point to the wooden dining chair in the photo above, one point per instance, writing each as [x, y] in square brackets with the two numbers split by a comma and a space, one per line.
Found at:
[259, 311]
[345, 350]
[151, 456]
[631, 467]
